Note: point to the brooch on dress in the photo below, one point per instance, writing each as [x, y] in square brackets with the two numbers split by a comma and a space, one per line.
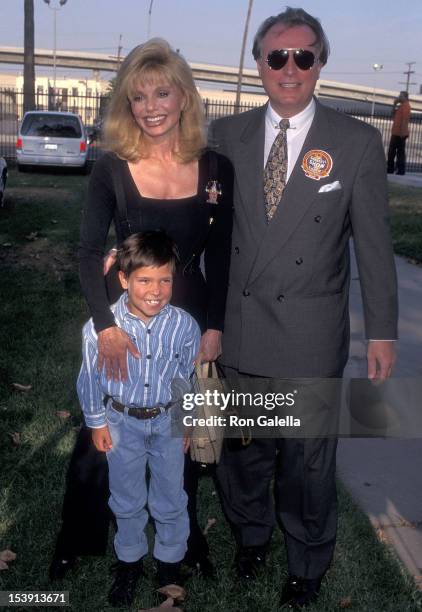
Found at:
[213, 189]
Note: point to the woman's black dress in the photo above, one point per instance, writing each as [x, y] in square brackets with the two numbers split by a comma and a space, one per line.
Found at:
[198, 227]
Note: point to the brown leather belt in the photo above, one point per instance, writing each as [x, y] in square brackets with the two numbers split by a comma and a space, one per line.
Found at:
[142, 413]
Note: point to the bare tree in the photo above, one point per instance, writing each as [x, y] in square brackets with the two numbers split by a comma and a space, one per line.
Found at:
[28, 59]
[242, 57]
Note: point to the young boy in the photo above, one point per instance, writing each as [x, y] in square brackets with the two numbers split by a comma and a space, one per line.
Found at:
[133, 425]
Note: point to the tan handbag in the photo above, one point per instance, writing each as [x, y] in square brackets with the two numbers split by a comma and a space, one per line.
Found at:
[207, 440]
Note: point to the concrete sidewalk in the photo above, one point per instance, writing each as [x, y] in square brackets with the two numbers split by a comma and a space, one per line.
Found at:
[410, 179]
[384, 475]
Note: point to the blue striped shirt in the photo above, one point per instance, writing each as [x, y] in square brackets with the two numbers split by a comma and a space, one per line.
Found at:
[168, 345]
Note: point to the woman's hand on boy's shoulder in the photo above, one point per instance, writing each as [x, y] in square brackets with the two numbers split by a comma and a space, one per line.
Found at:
[102, 439]
[113, 345]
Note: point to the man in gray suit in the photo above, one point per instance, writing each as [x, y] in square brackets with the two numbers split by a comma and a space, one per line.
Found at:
[306, 179]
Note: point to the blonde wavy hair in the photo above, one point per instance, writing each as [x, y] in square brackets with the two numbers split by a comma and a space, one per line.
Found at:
[148, 63]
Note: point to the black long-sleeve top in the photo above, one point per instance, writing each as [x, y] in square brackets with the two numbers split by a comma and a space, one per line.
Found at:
[196, 226]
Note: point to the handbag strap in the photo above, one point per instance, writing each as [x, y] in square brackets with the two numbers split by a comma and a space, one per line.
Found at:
[120, 196]
[211, 173]
[207, 369]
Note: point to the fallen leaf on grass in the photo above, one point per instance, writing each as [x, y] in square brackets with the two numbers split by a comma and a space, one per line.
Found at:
[16, 438]
[173, 591]
[210, 523]
[20, 387]
[7, 555]
[54, 221]
[346, 602]
[32, 236]
[6, 244]
[63, 414]
[381, 535]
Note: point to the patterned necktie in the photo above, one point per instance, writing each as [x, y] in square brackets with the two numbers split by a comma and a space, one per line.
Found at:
[275, 172]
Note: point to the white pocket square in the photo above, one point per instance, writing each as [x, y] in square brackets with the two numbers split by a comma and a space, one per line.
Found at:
[330, 187]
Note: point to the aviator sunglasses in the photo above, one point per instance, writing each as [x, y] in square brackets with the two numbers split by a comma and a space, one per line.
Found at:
[278, 58]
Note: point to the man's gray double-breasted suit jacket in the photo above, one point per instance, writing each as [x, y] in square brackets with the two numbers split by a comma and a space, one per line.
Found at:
[287, 309]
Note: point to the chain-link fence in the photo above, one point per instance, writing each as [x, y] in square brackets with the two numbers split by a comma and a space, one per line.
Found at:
[91, 109]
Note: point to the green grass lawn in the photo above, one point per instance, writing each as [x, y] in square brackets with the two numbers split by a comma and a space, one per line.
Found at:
[41, 316]
[406, 221]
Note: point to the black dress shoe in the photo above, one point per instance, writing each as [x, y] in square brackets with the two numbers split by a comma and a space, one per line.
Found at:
[122, 592]
[299, 592]
[249, 560]
[168, 573]
[60, 566]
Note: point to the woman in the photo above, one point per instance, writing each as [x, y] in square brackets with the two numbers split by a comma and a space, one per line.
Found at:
[157, 174]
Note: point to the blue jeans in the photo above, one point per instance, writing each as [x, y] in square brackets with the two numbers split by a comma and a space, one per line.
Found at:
[136, 444]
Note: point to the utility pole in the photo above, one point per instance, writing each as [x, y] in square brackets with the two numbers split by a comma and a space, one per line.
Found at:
[119, 52]
[149, 20]
[242, 57]
[29, 64]
[408, 72]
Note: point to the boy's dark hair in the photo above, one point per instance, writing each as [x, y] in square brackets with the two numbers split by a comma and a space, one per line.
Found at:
[291, 18]
[153, 248]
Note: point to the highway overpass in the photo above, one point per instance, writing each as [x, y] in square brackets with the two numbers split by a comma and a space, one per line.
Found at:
[223, 75]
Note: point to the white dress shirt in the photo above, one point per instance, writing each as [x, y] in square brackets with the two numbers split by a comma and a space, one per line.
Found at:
[296, 134]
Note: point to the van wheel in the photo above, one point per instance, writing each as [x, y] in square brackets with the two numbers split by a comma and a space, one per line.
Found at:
[22, 168]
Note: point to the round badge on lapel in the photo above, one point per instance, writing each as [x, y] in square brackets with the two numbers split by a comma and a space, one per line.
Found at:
[317, 164]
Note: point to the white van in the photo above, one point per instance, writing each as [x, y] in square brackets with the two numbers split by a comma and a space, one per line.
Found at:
[51, 138]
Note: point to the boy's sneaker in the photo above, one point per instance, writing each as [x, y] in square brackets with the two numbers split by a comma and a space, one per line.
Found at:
[122, 592]
[168, 573]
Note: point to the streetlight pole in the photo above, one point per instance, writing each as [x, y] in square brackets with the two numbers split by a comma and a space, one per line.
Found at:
[149, 20]
[376, 68]
[55, 9]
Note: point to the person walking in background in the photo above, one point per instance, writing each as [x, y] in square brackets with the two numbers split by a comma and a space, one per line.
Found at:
[307, 178]
[399, 134]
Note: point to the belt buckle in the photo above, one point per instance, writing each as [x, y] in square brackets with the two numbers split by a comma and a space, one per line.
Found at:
[156, 408]
[145, 416]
